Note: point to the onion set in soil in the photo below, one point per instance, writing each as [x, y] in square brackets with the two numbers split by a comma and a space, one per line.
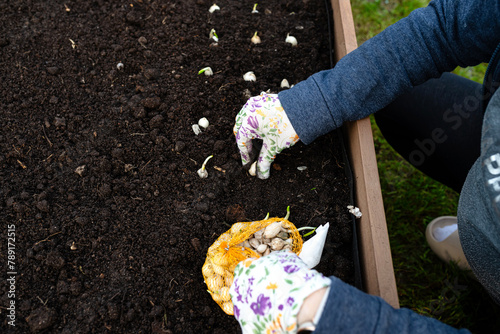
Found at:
[202, 172]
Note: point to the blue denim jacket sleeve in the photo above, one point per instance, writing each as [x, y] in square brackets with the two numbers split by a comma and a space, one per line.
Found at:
[348, 310]
[430, 41]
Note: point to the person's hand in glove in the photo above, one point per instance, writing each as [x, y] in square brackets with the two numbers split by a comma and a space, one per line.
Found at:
[263, 117]
[277, 293]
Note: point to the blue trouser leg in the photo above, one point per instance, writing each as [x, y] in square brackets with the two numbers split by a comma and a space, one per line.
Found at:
[437, 127]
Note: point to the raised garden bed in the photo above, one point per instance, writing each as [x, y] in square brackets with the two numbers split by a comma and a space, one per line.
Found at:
[118, 246]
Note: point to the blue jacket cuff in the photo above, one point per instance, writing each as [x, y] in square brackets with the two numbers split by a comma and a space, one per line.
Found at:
[307, 110]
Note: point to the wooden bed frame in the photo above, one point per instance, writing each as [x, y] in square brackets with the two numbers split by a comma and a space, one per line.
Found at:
[375, 252]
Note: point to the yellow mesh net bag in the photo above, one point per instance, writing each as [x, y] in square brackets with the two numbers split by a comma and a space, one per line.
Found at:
[237, 244]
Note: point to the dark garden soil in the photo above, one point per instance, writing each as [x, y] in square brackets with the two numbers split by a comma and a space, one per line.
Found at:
[119, 246]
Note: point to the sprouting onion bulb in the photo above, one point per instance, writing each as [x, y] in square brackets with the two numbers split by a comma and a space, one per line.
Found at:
[213, 35]
[213, 8]
[254, 9]
[285, 84]
[203, 122]
[207, 70]
[256, 38]
[249, 76]
[202, 172]
[290, 39]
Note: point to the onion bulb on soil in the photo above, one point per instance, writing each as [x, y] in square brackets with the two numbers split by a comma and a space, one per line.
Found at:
[213, 35]
[196, 129]
[249, 76]
[202, 172]
[80, 169]
[290, 39]
[256, 38]
[203, 122]
[253, 169]
[213, 8]
[207, 70]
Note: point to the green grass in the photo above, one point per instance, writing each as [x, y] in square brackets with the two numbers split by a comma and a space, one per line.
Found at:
[412, 200]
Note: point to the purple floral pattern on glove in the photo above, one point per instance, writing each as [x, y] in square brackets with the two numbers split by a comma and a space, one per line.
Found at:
[253, 122]
[291, 268]
[263, 117]
[261, 306]
[280, 282]
[236, 311]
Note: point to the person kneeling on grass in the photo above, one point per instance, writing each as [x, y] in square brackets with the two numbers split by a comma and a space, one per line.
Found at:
[446, 126]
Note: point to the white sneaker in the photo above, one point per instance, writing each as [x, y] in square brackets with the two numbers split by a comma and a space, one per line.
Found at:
[442, 236]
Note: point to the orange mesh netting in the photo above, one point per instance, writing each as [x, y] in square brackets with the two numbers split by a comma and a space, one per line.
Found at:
[228, 250]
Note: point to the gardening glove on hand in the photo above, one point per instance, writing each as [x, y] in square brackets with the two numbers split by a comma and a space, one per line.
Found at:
[267, 293]
[263, 117]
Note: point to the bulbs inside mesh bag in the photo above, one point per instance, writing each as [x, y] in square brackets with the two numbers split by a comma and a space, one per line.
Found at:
[242, 241]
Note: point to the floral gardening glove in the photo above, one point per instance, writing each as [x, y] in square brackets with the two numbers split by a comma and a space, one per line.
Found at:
[268, 292]
[263, 117]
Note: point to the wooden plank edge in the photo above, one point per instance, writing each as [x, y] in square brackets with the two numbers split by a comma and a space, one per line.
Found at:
[376, 258]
